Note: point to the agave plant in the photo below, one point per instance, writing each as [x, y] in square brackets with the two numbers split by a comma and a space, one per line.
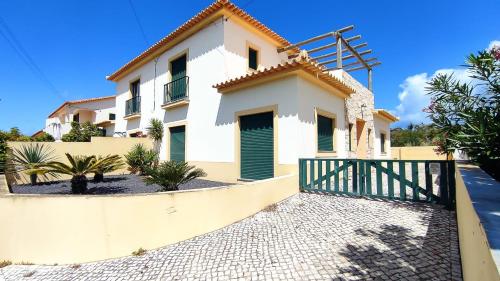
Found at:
[32, 159]
[105, 165]
[139, 159]
[78, 168]
[171, 174]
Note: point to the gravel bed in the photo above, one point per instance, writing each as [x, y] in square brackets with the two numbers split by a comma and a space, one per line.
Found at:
[111, 185]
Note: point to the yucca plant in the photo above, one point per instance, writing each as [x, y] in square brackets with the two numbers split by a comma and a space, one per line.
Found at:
[155, 132]
[32, 159]
[171, 174]
[139, 159]
[78, 168]
[106, 164]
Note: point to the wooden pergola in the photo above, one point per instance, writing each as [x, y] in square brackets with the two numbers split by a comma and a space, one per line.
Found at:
[343, 51]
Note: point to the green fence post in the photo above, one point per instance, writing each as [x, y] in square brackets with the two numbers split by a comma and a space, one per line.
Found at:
[390, 179]
[378, 165]
[354, 176]
[311, 174]
[428, 182]
[443, 184]
[345, 188]
[301, 177]
[328, 176]
[414, 180]
[320, 172]
[336, 173]
[361, 177]
[451, 184]
[368, 176]
[402, 180]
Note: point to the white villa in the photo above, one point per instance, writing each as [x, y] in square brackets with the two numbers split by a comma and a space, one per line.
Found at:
[239, 100]
[99, 111]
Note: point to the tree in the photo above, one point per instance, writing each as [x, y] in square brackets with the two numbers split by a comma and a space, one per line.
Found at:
[78, 168]
[467, 115]
[82, 132]
[413, 135]
[44, 137]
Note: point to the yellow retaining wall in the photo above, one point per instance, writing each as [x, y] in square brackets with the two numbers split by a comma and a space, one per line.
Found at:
[416, 153]
[477, 261]
[73, 229]
[4, 188]
[97, 146]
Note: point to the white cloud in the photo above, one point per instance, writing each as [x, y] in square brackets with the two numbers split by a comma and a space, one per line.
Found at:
[413, 97]
[493, 44]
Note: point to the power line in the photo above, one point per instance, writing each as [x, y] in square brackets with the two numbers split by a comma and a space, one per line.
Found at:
[138, 22]
[25, 56]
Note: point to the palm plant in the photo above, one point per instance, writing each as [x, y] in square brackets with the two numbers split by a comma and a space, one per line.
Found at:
[32, 159]
[171, 174]
[139, 159]
[105, 165]
[78, 168]
[155, 131]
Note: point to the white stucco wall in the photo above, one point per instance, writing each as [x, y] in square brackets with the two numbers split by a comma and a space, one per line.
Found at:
[312, 96]
[381, 126]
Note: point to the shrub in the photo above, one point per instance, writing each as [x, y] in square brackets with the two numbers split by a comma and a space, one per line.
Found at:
[139, 159]
[155, 131]
[106, 164]
[44, 137]
[170, 175]
[32, 159]
[82, 132]
[78, 168]
[139, 252]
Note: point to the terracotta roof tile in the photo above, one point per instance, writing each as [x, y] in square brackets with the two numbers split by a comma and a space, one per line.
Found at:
[79, 102]
[300, 62]
[207, 12]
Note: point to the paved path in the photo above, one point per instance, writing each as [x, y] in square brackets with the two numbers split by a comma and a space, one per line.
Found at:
[307, 237]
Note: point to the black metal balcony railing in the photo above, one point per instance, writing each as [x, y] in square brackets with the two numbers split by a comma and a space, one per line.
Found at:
[133, 106]
[176, 90]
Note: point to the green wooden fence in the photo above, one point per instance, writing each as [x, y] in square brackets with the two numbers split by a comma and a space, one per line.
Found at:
[430, 181]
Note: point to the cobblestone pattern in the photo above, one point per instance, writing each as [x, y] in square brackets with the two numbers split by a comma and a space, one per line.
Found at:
[307, 237]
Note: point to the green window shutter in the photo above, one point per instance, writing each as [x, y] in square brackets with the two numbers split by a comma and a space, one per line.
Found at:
[177, 143]
[252, 58]
[178, 68]
[257, 146]
[325, 133]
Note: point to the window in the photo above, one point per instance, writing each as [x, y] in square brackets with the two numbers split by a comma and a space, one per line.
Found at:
[382, 142]
[76, 118]
[135, 88]
[325, 133]
[112, 116]
[369, 138]
[253, 58]
[350, 137]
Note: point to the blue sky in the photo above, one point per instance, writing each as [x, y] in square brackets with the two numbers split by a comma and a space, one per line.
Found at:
[75, 44]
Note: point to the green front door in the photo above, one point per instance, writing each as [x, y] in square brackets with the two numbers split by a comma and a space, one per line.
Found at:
[177, 143]
[178, 68]
[257, 146]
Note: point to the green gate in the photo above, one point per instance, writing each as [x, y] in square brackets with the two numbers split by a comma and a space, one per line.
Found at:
[430, 181]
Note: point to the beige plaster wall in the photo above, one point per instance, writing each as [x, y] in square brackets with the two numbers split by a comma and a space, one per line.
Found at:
[416, 153]
[74, 229]
[477, 260]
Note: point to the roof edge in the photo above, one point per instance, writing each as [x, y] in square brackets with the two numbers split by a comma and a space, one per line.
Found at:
[386, 115]
[79, 102]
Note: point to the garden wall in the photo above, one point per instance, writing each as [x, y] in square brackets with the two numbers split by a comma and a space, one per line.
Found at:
[416, 153]
[478, 205]
[97, 146]
[48, 229]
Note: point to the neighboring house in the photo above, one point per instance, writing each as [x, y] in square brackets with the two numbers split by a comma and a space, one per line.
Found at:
[99, 111]
[236, 107]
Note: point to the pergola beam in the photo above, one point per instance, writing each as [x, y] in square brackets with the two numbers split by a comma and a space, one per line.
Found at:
[350, 64]
[334, 33]
[355, 53]
[346, 57]
[335, 53]
[362, 67]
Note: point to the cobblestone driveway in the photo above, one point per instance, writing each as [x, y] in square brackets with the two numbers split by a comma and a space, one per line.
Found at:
[307, 237]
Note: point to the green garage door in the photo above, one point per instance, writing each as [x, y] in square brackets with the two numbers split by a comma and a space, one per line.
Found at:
[177, 143]
[257, 146]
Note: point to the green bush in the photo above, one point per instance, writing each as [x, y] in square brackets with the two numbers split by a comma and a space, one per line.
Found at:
[32, 158]
[82, 132]
[139, 159]
[170, 175]
[44, 137]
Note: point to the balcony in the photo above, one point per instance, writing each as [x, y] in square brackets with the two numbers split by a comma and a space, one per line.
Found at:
[133, 108]
[176, 93]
